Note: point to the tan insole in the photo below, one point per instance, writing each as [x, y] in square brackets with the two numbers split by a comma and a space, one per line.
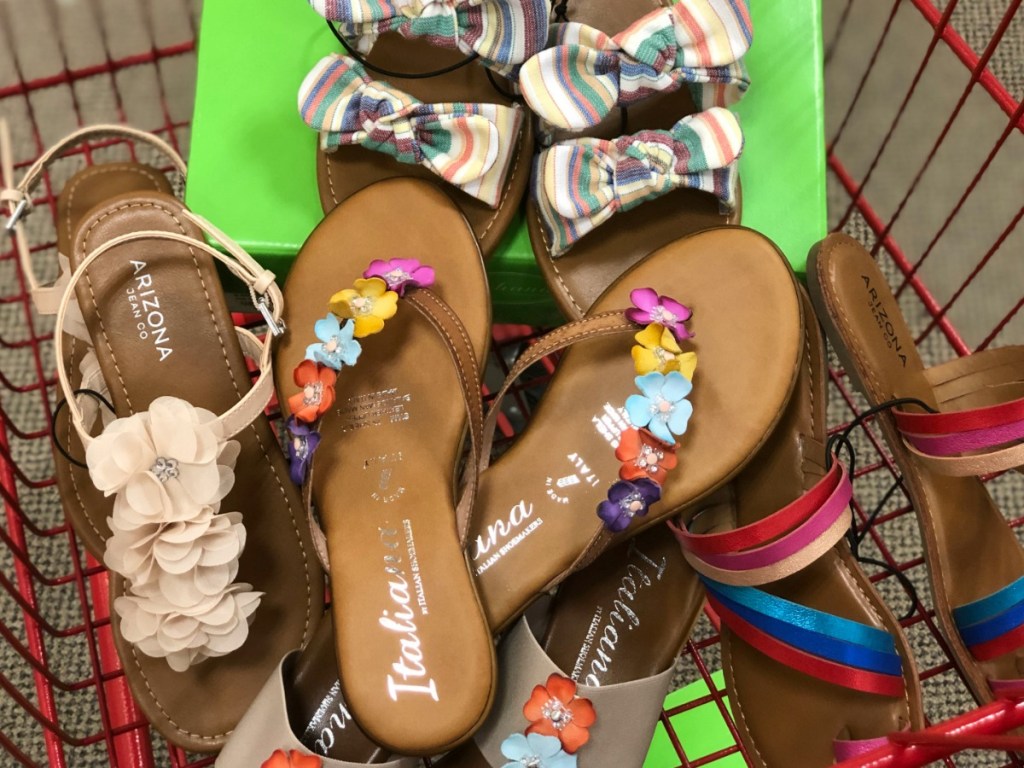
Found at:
[786, 717]
[347, 170]
[593, 263]
[87, 508]
[160, 327]
[969, 549]
[536, 511]
[414, 651]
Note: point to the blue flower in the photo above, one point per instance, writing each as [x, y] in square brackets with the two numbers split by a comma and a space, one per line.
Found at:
[663, 407]
[535, 751]
[336, 343]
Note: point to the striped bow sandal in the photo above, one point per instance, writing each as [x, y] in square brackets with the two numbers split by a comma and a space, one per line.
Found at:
[946, 426]
[590, 691]
[816, 666]
[659, 158]
[426, 99]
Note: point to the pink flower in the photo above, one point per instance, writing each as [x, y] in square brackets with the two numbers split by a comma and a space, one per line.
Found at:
[649, 307]
[400, 274]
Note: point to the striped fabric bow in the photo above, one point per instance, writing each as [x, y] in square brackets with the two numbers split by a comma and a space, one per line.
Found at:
[580, 184]
[468, 145]
[586, 73]
[501, 32]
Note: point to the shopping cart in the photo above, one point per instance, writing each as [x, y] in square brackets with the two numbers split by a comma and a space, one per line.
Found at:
[926, 122]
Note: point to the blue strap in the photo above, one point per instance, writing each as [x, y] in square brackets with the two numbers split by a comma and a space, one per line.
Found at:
[810, 629]
[999, 602]
[994, 627]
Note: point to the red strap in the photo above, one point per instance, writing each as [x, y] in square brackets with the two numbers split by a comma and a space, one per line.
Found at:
[998, 646]
[823, 669]
[769, 528]
[959, 421]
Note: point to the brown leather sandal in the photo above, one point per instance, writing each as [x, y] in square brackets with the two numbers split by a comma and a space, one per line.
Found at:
[413, 647]
[86, 508]
[613, 634]
[945, 425]
[816, 666]
[447, 73]
[535, 522]
[659, 160]
[205, 604]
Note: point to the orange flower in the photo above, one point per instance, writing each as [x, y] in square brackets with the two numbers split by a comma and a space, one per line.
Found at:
[554, 710]
[644, 455]
[317, 395]
[293, 759]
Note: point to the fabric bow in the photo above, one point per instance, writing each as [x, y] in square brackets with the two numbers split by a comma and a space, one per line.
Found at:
[468, 145]
[586, 73]
[502, 32]
[581, 184]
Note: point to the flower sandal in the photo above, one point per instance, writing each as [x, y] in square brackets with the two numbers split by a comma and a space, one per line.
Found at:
[594, 457]
[205, 603]
[300, 712]
[86, 508]
[414, 651]
[614, 632]
[945, 425]
[816, 666]
[657, 160]
[449, 121]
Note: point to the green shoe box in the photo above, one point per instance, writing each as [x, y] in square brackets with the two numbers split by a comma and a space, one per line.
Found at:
[252, 161]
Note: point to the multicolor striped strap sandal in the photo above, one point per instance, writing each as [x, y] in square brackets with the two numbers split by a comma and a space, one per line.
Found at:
[658, 161]
[213, 572]
[589, 691]
[816, 666]
[380, 382]
[946, 426]
[597, 463]
[86, 508]
[421, 97]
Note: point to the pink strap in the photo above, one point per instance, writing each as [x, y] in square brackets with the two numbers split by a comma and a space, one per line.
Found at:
[757, 554]
[849, 749]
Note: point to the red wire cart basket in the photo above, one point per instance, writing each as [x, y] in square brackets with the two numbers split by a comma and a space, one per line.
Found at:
[926, 126]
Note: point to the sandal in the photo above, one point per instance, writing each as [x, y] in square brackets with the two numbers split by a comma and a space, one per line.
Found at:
[614, 632]
[945, 425]
[301, 712]
[416, 115]
[816, 666]
[86, 508]
[414, 651]
[583, 451]
[205, 604]
[663, 164]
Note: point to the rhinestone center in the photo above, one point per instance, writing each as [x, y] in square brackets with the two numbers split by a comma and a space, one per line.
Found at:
[312, 393]
[165, 469]
[361, 305]
[662, 316]
[559, 715]
[396, 276]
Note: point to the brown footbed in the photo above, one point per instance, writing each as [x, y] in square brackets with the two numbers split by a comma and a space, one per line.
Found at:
[786, 717]
[747, 321]
[662, 601]
[86, 508]
[579, 276]
[969, 549]
[345, 171]
[206, 368]
[390, 448]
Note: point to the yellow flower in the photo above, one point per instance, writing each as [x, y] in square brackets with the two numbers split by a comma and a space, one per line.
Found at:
[369, 304]
[657, 350]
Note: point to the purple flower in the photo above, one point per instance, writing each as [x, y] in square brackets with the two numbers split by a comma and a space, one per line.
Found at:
[626, 500]
[400, 274]
[649, 307]
[302, 441]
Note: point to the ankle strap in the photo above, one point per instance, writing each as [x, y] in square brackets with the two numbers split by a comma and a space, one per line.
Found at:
[19, 202]
[266, 297]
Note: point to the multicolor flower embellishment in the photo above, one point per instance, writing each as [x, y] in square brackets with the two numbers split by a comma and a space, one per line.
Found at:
[559, 725]
[355, 313]
[658, 414]
[291, 759]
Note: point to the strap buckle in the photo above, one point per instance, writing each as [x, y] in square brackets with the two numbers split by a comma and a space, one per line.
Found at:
[277, 327]
[15, 217]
